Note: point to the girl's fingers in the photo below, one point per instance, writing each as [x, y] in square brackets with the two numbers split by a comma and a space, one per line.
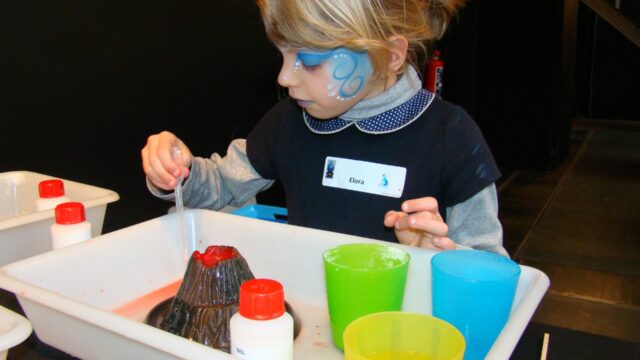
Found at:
[428, 223]
[421, 204]
[157, 161]
[444, 243]
[390, 218]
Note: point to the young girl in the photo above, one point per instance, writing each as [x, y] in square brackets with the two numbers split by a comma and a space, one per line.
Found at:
[359, 146]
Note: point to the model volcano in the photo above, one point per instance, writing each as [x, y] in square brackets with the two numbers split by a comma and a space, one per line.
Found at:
[208, 297]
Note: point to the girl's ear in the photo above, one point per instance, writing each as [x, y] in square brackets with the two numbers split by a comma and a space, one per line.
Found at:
[398, 46]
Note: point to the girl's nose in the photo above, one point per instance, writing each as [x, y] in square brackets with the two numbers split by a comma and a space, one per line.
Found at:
[288, 73]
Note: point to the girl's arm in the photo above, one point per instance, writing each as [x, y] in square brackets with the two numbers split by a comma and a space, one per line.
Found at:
[471, 224]
[218, 181]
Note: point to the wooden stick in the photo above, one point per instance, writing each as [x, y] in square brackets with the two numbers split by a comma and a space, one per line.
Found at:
[545, 346]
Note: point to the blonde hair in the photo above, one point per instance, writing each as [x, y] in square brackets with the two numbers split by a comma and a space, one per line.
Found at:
[360, 25]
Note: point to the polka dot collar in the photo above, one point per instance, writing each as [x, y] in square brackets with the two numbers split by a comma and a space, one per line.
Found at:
[388, 121]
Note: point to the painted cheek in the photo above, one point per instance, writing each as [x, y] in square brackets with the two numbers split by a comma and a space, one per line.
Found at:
[349, 71]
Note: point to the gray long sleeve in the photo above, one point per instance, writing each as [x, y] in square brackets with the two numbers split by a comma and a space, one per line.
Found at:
[216, 182]
[474, 223]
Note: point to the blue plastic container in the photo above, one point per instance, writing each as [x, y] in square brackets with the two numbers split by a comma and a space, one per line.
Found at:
[474, 291]
[263, 212]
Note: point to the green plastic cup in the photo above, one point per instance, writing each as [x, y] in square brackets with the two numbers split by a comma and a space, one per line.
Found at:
[362, 279]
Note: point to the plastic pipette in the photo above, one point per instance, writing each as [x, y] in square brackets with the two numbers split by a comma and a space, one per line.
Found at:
[176, 153]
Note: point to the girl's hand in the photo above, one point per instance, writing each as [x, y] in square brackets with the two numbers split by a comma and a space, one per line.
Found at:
[420, 224]
[158, 163]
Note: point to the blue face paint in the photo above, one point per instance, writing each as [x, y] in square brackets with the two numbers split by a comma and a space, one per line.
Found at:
[314, 59]
[350, 70]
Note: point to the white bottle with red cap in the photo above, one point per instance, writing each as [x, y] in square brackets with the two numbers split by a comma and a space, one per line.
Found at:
[71, 226]
[51, 193]
[261, 329]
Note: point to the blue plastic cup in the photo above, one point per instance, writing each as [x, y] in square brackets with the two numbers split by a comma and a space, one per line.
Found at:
[474, 291]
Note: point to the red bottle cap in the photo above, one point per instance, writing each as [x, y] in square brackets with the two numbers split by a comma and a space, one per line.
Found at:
[70, 213]
[261, 299]
[51, 188]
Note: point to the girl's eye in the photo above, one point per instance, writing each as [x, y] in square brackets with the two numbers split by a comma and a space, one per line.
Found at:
[311, 61]
[311, 67]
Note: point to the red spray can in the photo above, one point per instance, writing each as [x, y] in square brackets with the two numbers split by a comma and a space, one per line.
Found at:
[434, 74]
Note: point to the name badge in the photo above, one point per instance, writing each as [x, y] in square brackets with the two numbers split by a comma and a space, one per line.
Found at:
[364, 176]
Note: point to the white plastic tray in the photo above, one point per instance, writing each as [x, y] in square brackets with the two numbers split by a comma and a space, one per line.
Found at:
[100, 291]
[14, 329]
[24, 231]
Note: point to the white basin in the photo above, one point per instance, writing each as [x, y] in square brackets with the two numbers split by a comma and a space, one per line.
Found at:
[100, 290]
[14, 329]
[24, 231]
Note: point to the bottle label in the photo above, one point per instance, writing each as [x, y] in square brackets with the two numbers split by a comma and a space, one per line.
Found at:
[439, 78]
[273, 352]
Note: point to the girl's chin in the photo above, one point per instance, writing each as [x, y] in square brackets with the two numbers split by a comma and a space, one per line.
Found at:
[304, 103]
[322, 115]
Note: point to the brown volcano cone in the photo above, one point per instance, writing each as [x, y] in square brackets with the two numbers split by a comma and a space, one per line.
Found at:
[208, 297]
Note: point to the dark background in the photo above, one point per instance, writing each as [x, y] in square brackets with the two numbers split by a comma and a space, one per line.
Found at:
[84, 83]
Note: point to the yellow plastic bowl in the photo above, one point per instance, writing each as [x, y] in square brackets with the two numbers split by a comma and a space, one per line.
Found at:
[394, 335]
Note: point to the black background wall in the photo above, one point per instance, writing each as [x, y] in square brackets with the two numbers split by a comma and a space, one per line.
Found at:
[512, 66]
[84, 83]
[607, 67]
